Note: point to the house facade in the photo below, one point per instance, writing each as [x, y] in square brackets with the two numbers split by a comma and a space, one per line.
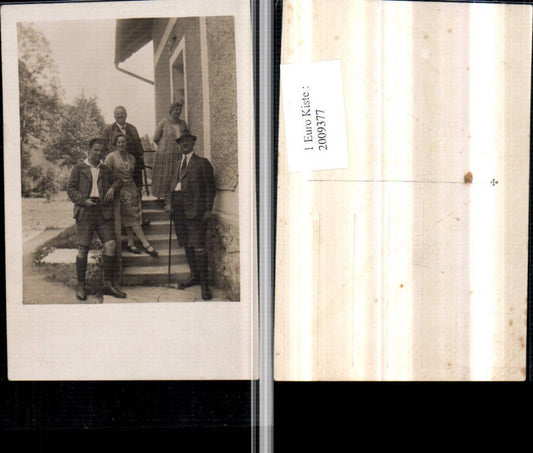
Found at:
[195, 63]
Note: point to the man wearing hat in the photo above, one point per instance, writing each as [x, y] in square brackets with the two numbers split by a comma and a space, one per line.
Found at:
[190, 197]
[92, 187]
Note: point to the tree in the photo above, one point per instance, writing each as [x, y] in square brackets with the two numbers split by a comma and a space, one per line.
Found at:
[78, 123]
[39, 88]
[40, 103]
[54, 135]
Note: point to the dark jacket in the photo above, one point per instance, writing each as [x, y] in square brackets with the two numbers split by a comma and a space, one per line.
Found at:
[80, 185]
[197, 187]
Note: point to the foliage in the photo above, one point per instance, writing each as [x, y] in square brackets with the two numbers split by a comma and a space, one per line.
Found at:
[43, 179]
[53, 134]
[79, 122]
[39, 177]
[66, 274]
[38, 181]
[40, 92]
[40, 103]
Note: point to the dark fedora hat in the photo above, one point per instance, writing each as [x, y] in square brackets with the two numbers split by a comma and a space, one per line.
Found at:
[185, 134]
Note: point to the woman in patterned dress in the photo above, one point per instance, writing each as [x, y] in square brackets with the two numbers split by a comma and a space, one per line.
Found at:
[123, 165]
[168, 154]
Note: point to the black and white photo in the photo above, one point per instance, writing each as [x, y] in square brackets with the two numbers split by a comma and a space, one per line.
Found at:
[129, 176]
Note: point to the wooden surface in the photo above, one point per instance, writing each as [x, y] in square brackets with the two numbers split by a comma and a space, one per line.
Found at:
[404, 266]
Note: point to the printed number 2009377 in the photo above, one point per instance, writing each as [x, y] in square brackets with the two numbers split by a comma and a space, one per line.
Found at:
[321, 129]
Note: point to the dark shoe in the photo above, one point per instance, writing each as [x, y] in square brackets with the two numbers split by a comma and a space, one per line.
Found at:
[146, 222]
[110, 290]
[80, 291]
[191, 280]
[151, 251]
[206, 293]
[133, 249]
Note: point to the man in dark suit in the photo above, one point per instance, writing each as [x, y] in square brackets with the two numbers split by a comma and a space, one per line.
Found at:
[91, 188]
[135, 147]
[190, 197]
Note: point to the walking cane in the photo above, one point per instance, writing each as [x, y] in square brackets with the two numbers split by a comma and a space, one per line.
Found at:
[169, 243]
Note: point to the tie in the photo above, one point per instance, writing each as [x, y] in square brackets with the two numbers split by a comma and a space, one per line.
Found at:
[183, 166]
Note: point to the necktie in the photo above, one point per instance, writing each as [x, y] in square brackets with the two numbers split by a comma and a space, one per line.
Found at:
[183, 166]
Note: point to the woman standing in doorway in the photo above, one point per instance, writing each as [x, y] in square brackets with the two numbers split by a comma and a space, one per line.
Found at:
[123, 165]
[168, 154]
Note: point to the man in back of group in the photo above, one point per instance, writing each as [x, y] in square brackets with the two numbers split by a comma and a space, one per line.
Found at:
[135, 147]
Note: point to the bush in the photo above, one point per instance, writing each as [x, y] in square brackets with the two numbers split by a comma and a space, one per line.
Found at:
[40, 182]
[62, 177]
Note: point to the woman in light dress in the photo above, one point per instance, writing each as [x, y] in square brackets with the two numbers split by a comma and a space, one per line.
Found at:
[168, 154]
[123, 165]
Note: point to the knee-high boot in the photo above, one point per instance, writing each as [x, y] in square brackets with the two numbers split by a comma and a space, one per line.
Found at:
[81, 267]
[201, 260]
[194, 277]
[109, 272]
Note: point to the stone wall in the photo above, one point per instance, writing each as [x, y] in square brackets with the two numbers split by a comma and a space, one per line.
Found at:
[223, 100]
[188, 27]
[223, 234]
[224, 256]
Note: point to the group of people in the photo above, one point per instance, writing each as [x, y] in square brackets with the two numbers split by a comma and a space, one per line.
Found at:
[113, 168]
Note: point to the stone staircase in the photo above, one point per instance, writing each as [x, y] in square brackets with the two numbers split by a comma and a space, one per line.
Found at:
[144, 269]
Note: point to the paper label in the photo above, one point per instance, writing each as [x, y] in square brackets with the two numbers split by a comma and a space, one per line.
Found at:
[315, 123]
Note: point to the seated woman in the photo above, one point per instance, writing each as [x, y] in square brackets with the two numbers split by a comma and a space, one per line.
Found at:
[122, 164]
[168, 154]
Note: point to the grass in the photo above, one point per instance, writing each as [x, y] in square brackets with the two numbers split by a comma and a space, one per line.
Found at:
[38, 214]
[67, 239]
[66, 275]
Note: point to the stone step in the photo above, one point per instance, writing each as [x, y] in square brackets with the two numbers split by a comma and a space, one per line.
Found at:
[153, 275]
[155, 214]
[157, 226]
[152, 203]
[158, 240]
[132, 259]
[68, 256]
[143, 269]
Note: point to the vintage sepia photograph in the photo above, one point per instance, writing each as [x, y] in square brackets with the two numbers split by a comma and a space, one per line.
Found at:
[129, 164]
[129, 160]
